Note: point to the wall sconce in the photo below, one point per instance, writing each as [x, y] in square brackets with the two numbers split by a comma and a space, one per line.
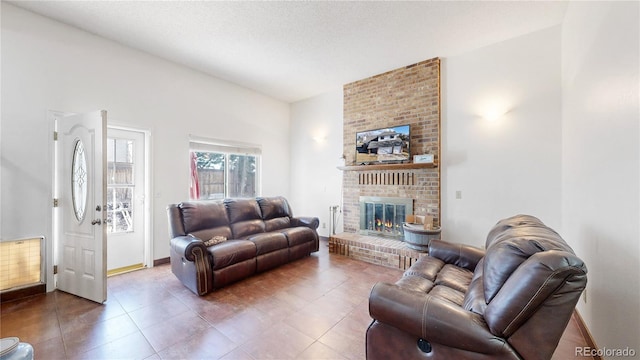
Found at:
[320, 139]
[319, 136]
[493, 109]
[493, 115]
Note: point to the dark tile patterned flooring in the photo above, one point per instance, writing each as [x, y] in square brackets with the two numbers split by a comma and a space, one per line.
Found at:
[314, 308]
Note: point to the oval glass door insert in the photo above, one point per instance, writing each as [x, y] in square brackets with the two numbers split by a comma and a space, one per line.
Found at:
[79, 180]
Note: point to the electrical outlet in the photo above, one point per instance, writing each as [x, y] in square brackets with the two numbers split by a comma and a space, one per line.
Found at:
[324, 225]
[584, 295]
[458, 194]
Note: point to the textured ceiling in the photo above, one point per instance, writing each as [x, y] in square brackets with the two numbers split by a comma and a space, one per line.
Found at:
[295, 50]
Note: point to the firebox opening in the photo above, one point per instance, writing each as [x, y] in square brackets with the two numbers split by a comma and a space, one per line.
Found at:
[383, 216]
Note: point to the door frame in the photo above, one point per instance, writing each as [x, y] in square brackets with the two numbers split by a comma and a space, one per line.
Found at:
[148, 216]
[51, 243]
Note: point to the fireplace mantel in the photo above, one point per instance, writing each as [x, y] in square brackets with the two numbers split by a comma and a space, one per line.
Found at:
[388, 166]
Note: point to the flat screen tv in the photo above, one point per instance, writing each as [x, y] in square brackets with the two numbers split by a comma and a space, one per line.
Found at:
[385, 145]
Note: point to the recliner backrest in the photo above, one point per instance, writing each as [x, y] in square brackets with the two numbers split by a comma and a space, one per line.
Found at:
[245, 217]
[511, 248]
[531, 280]
[205, 219]
[276, 212]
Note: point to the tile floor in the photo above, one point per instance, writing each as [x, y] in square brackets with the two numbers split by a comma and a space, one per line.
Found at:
[314, 308]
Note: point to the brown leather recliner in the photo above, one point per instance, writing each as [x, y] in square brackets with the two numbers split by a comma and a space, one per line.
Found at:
[510, 301]
[259, 234]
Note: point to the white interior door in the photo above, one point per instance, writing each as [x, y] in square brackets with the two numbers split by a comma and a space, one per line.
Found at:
[81, 240]
[125, 200]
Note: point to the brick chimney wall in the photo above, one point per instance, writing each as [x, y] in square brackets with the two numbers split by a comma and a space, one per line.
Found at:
[408, 95]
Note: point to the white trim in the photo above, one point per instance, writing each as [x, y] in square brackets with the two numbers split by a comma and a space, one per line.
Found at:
[51, 243]
[225, 146]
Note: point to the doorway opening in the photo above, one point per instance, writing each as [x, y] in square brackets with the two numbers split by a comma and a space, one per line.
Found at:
[127, 208]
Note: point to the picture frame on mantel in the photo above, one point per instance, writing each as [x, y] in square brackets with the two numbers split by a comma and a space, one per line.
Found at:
[423, 159]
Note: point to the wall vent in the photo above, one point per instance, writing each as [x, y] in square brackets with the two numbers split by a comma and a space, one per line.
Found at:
[21, 263]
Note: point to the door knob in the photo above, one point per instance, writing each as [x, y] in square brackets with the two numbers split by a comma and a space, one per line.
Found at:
[96, 222]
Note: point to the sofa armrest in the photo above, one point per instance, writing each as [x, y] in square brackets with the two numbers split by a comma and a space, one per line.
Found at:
[191, 263]
[457, 254]
[189, 247]
[433, 319]
[308, 221]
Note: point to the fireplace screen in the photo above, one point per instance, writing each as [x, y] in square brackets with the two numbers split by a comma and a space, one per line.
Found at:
[384, 216]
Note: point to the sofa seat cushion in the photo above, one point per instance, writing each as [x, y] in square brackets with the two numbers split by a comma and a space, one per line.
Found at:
[415, 283]
[424, 286]
[268, 242]
[426, 267]
[449, 282]
[298, 235]
[447, 293]
[231, 252]
[454, 277]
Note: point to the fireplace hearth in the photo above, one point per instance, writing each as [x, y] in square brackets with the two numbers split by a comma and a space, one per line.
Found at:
[383, 216]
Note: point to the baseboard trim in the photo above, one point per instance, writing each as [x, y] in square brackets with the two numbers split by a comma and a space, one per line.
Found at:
[161, 261]
[586, 334]
[24, 292]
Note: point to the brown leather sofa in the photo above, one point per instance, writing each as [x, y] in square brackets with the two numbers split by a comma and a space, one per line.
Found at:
[260, 234]
[510, 301]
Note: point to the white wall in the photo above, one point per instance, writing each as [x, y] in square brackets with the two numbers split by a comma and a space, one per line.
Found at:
[601, 163]
[510, 165]
[316, 151]
[47, 65]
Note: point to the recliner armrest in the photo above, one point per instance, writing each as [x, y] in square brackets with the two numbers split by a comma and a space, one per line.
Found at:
[191, 263]
[308, 221]
[433, 319]
[189, 247]
[464, 256]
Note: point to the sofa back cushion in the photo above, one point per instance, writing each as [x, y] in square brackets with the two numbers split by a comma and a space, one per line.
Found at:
[276, 213]
[245, 217]
[498, 230]
[274, 207]
[205, 219]
[474, 298]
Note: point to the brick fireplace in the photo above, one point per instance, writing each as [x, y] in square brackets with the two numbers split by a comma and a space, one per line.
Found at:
[408, 95]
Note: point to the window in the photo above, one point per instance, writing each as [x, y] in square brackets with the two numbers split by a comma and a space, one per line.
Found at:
[220, 170]
[120, 185]
[79, 180]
